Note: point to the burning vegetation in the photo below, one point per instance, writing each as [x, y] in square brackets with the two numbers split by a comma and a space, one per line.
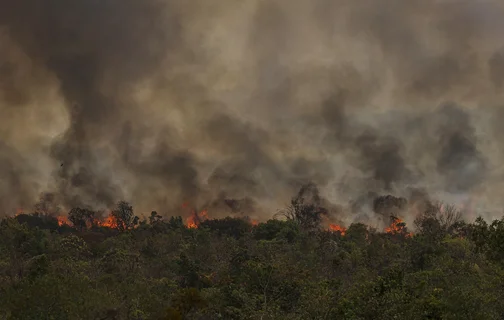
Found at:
[337, 228]
[306, 209]
[184, 266]
[398, 226]
[233, 106]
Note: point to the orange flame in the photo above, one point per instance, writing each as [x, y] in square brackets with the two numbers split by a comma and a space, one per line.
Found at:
[109, 222]
[193, 221]
[62, 220]
[334, 227]
[203, 214]
[397, 227]
[337, 228]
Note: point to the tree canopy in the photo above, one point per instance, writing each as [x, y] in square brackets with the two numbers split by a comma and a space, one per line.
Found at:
[229, 268]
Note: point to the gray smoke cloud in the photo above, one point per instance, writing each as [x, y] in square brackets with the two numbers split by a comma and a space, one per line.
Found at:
[162, 102]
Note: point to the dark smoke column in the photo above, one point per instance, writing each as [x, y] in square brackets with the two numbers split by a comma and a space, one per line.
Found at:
[97, 50]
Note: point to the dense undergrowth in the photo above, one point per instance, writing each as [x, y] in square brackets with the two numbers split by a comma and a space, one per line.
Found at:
[230, 269]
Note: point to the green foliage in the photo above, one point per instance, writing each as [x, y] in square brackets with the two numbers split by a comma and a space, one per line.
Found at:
[38, 220]
[175, 223]
[228, 269]
[187, 300]
[275, 229]
[228, 226]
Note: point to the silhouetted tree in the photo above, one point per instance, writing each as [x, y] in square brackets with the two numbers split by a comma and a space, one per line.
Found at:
[155, 218]
[124, 216]
[81, 218]
[176, 222]
[305, 208]
[40, 220]
[233, 227]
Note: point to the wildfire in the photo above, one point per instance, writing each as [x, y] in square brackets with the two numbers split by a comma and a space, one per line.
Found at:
[337, 228]
[62, 220]
[191, 222]
[110, 222]
[398, 226]
[334, 227]
[194, 220]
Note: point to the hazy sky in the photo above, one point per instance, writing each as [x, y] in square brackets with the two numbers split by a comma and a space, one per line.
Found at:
[159, 102]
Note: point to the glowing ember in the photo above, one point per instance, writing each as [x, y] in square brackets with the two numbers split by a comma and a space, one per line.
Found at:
[334, 227]
[337, 228]
[254, 222]
[62, 221]
[193, 221]
[110, 222]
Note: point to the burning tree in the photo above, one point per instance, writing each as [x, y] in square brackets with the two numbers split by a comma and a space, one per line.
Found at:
[81, 218]
[196, 218]
[124, 216]
[397, 226]
[337, 228]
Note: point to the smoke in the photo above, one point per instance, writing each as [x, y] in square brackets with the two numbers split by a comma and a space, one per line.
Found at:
[161, 102]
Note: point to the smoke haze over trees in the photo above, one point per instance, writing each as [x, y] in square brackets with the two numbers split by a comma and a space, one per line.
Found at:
[162, 102]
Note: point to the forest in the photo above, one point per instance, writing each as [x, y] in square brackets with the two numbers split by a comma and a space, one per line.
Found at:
[288, 267]
[214, 113]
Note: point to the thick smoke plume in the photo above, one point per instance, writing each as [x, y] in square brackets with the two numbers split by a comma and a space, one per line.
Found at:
[162, 102]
